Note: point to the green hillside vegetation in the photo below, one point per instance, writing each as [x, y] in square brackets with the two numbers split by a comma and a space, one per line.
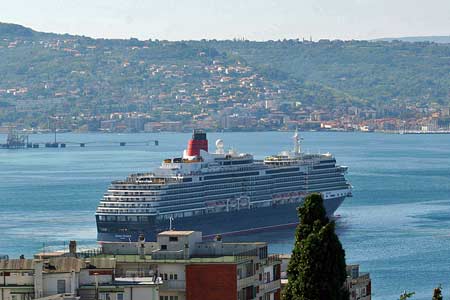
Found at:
[43, 74]
[85, 75]
[381, 72]
[413, 39]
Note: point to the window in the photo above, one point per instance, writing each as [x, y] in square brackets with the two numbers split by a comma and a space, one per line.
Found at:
[163, 247]
[119, 296]
[105, 296]
[61, 286]
[173, 239]
[267, 277]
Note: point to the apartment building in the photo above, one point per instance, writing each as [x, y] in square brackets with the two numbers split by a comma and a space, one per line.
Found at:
[178, 266]
[66, 276]
[192, 269]
[358, 284]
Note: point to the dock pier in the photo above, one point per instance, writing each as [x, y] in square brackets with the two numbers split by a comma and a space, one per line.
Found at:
[25, 144]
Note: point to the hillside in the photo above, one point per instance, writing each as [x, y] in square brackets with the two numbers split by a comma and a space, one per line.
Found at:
[212, 84]
[380, 72]
[415, 39]
[44, 74]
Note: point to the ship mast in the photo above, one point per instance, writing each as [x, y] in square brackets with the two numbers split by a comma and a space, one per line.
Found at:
[296, 138]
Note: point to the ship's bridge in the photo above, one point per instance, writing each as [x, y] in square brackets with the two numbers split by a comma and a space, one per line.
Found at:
[289, 158]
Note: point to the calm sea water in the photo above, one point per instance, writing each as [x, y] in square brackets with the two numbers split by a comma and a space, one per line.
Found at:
[397, 225]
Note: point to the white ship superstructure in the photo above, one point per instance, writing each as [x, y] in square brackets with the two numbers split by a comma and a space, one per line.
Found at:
[219, 193]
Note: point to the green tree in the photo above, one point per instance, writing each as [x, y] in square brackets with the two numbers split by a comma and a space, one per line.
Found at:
[317, 268]
[437, 294]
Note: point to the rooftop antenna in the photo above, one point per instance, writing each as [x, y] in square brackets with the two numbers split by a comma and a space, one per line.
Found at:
[170, 223]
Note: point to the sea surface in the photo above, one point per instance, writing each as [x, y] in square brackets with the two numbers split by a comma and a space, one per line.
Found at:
[396, 226]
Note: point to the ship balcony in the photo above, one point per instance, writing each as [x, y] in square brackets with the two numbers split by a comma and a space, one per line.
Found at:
[128, 199]
[122, 211]
[125, 206]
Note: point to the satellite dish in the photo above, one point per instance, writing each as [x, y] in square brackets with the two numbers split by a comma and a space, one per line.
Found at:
[219, 143]
[219, 146]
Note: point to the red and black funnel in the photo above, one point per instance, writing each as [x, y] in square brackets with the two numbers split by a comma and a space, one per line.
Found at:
[197, 143]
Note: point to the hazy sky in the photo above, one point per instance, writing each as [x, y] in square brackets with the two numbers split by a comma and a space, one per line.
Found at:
[226, 19]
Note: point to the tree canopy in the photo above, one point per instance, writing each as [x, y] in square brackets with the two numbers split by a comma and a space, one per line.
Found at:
[317, 268]
[437, 293]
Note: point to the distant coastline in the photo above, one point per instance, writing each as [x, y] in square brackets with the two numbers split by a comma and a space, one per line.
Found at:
[399, 132]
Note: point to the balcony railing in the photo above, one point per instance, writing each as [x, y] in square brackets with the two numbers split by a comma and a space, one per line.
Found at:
[247, 281]
[270, 286]
[271, 259]
[173, 285]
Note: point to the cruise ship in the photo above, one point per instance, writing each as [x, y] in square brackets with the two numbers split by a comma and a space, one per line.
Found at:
[219, 193]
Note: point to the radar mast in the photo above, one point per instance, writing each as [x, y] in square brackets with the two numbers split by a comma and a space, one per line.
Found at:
[296, 138]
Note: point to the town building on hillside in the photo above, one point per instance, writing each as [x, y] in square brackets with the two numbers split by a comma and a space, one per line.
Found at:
[358, 284]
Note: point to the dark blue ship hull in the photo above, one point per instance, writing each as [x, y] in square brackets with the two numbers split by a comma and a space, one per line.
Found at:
[226, 224]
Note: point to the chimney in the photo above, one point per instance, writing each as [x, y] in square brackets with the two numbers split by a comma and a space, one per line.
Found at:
[38, 279]
[73, 282]
[73, 248]
[141, 246]
[186, 251]
[197, 143]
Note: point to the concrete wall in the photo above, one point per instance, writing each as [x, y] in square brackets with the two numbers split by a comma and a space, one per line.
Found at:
[85, 278]
[268, 275]
[128, 248]
[5, 294]
[145, 269]
[178, 269]
[18, 278]
[50, 283]
[190, 240]
[144, 292]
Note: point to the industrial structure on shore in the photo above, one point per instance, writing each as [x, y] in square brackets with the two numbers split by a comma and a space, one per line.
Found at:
[16, 140]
